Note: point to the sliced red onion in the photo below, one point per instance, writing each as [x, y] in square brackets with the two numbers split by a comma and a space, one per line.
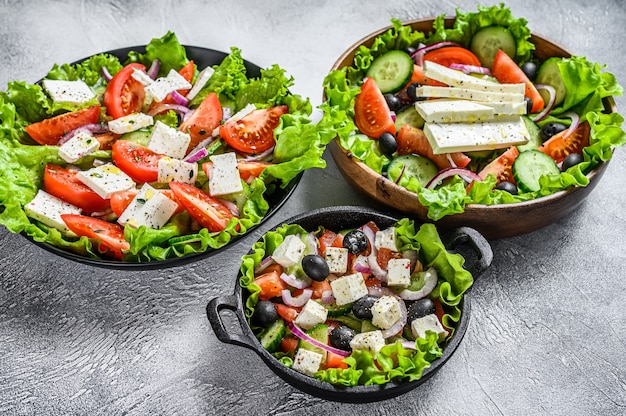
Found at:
[399, 325]
[418, 55]
[232, 207]
[267, 261]
[408, 345]
[203, 144]
[471, 69]
[297, 301]
[372, 260]
[361, 264]
[194, 156]
[293, 281]
[260, 156]
[451, 160]
[179, 98]
[106, 74]
[465, 174]
[380, 291]
[574, 124]
[102, 213]
[549, 106]
[397, 181]
[302, 335]
[179, 109]
[328, 297]
[311, 243]
[153, 71]
[430, 282]
[87, 128]
[227, 113]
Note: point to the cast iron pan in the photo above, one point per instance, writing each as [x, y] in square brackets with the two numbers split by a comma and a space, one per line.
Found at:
[337, 218]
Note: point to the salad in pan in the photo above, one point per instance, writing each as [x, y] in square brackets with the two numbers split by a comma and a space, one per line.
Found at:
[151, 157]
[468, 114]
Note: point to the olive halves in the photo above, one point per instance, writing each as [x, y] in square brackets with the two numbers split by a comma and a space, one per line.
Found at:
[315, 267]
[340, 337]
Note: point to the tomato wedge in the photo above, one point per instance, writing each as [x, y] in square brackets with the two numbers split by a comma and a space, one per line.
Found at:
[286, 312]
[64, 184]
[562, 144]
[110, 235]
[50, 130]
[203, 120]
[371, 112]
[254, 133]
[124, 95]
[120, 200]
[420, 78]
[501, 166]
[138, 162]
[289, 343]
[334, 360]
[452, 55]
[506, 71]
[413, 140]
[202, 207]
[329, 239]
[271, 285]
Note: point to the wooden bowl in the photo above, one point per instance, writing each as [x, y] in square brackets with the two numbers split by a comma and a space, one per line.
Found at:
[492, 221]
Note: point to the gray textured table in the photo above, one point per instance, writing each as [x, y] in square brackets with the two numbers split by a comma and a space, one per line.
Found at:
[547, 335]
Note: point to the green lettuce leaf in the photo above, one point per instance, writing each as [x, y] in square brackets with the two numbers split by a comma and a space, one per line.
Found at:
[167, 49]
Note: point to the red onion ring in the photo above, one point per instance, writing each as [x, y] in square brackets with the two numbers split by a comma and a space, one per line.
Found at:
[260, 156]
[265, 263]
[87, 128]
[380, 291]
[153, 71]
[196, 155]
[372, 261]
[293, 281]
[232, 207]
[574, 124]
[303, 336]
[430, 282]
[469, 69]
[311, 243]
[361, 264]
[106, 74]
[296, 301]
[549, 106]
[179, 98]
[328, 297]
[465, 174]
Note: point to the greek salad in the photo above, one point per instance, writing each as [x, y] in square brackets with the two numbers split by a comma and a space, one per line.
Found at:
[354, 307]
[468, 114]
[152, 157]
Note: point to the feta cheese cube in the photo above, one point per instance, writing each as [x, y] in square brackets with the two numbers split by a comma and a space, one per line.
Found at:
[337, 259]
[142, 77]
[48, 209]
[68, 91]
[385, 312]
[131, 122]
[311, 314]
[349, 288]
[236, 117]
[170, 170]
[399, 272]
[386, 239]
[106, 179]
[165, 85]
[169, 141]
[225, 177]
[81, 144]
[429, 322]
[371, 341]
[201, 80]
[290, 251]
[150, 207]
[307, 362]
[454, 111]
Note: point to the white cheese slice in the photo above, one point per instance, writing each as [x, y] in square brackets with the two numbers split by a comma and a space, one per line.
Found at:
[170, 170]
[399, 272]
[386, 239]
[454, 111]
[201, 80]
[386, 312]
[48, 209]
[129, 123]
[469, 137]
[430, 322]
[307, 362]
[150, 208]
[290, 251]
[68, 91]
[225, 177]
[311, 314]
[337, 259]
[165, 85]
[456, 78]
[142, 77]
[347, 289]
[81, 144]
[371, 341]
[168, 141]
[106, 179]
[507, 109]
[467, 93]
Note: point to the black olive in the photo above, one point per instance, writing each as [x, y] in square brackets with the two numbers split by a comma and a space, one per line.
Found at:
[529, 105]
[341, 336]
[393, 102]
[508, 187]
[315, 267]
[550, 129]
[355, 241]
[411, 92]
[265, 313]
[387, 143]
[420, 308]
[362, 308]
[530, 69]
[571, 160]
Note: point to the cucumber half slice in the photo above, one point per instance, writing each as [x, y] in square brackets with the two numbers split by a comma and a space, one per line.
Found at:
[391, 71]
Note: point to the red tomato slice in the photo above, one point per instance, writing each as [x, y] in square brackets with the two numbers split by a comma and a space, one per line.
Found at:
[329, 239]
[562, 144]
[413, 140]
[251, 169]
[255, 132]
[452, 55]
[319, 288]
[271, 285]
[110, 235]
[206, 210]
[64, 184]
[120, 200]
[384, 255]
[506, 71]
[334, 361]
[124, 95]
[501, 166]
[420, 78]
[289, 343]
[50, 130]
[286, 312]
[371, 112]
[106, 140]
[138, 162]
[203, 120]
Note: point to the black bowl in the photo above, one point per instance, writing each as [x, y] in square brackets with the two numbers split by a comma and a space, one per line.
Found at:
[337, 218]
[202, 57]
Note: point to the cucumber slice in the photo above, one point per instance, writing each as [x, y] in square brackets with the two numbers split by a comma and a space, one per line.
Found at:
[270, 340]
[486, 42]
[409, 115]
[411, 166]
[529, 166]
[391, 71]
[535, 137]
[350, 321]
[549, 74]
[335, 310]
[318, 333]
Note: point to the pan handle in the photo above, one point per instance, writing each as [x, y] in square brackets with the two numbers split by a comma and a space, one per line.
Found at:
[477, 242]
[214, 309]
